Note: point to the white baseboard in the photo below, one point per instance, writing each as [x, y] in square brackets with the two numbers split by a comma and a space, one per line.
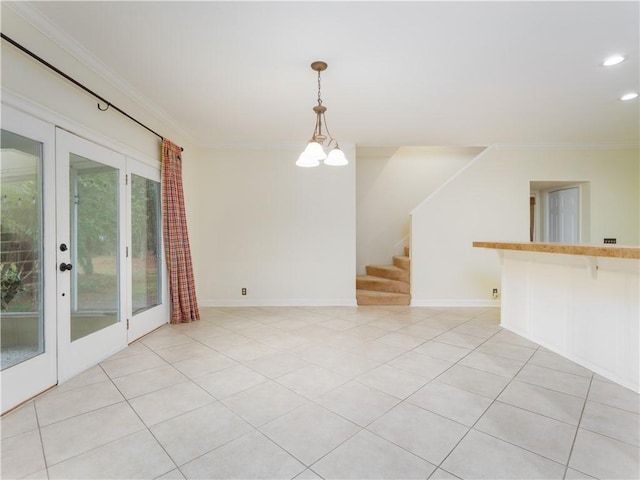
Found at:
[337, 302]
[269, 302]
[417, 302]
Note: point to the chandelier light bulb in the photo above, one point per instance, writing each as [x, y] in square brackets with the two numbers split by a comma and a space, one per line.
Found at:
[311, 155]
[629, 96]
[306, 162]
[314, 151]
[336, 158]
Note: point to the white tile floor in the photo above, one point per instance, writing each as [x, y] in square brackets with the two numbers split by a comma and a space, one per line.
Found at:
[369, 392]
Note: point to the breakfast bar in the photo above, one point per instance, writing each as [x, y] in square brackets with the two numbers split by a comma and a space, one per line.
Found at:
[580, 301]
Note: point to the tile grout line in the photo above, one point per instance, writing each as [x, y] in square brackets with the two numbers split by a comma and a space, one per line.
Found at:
[254, 428]
[143, 423]
[573, 443]
[215, 399]
[417, 406]
[495, 399]
[403, 400]
[44, 456]
[123, 400]
[313, 400]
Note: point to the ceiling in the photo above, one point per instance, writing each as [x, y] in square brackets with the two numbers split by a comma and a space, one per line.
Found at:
[400, 73]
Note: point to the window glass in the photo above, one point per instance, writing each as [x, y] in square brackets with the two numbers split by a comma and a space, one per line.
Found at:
[145, 243]
[22, 316]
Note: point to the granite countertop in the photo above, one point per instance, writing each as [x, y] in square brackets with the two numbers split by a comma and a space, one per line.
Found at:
[616, 251]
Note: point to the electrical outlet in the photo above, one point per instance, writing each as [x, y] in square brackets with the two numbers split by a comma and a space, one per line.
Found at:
[244, 291]
[609, 240]
[495, 293]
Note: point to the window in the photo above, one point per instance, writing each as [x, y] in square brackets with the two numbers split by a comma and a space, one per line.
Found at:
[145, 243]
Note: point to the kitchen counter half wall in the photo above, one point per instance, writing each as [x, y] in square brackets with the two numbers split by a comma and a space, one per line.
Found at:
[580, 301]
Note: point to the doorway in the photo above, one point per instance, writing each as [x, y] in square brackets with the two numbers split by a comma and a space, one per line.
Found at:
[82, 265]
[568, 220]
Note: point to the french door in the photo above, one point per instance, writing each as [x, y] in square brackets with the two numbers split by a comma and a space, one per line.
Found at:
[148, 287]
[27, 258]
[81, 259]
[91, 249]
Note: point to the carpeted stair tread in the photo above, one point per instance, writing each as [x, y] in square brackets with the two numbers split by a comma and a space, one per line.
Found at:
[369, 297]
[388, 271]
[402, 261]
[369, 282]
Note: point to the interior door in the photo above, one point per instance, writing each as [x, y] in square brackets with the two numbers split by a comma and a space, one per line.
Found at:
[27, 257]
[564, 210]
[91, 250]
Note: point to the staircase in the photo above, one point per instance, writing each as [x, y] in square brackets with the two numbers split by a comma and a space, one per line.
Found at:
[386, 284]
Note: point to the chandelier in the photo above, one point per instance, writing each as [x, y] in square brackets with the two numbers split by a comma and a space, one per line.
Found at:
[319, 141]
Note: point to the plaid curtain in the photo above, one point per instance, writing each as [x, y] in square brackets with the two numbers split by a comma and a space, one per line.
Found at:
[184, 305]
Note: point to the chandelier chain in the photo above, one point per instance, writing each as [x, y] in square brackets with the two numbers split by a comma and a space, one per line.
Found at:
[319, 98]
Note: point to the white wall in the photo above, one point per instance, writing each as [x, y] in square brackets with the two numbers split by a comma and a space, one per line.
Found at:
[389, 184]
[285, 233]
[489, 200]
[255, 220]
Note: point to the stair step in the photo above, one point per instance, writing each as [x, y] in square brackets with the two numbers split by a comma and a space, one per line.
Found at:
[406, 251]
[368, 297]
[388, 271]
[401, 261]
[369, 282]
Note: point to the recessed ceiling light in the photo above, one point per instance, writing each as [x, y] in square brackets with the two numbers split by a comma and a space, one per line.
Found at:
[612, 60]
[629, 96]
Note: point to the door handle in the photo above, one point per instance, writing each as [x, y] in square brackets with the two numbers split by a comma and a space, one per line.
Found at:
[65, 267]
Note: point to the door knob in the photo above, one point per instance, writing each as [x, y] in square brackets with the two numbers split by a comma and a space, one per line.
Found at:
[65, 266]
[63, 247]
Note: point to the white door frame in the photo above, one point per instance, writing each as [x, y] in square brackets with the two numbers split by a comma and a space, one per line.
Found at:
[536, 215]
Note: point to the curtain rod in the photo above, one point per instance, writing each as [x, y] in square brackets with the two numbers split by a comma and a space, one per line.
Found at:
[78, 84]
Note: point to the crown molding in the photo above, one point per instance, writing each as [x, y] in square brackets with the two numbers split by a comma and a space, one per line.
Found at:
[60, 38]
[566, 146]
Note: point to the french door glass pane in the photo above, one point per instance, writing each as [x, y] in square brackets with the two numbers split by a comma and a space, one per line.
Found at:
[145, 238]
[94, 246]
[22, 315]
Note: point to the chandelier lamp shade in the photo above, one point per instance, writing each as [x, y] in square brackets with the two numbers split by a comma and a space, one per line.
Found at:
[321, 139]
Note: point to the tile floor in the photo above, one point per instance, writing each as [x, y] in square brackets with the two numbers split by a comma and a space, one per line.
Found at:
[368, 392]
